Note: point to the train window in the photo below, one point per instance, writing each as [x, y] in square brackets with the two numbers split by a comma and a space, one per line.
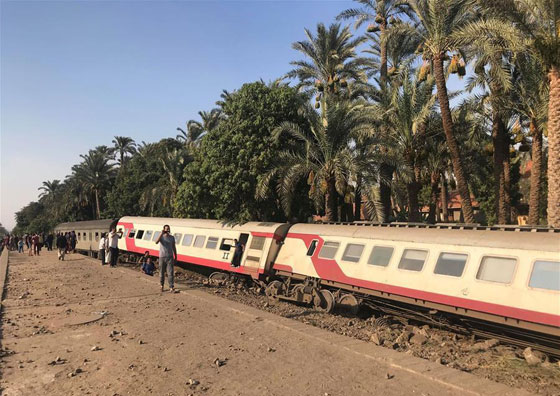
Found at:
[131, 233]
[329, 249]
[312, 247]
[139, 234]
[212, 243]
[226, 244]
[177, 237]
[156, 236]
[496, 269]
[187, 239]
[257, 243]
[380, 256]
[126, 232]
[353, 252]
[199, 241]
[78, 236]
[545, 275]
[148, 235]
[451, 264]
[413, 260]
[97, 236]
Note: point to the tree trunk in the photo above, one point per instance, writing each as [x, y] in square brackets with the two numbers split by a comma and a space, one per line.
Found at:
[434, 191]
[386, 173]
[358, 201]
[444, 202]
[454, 153]
[501, 161]
[383, 52]
[331, 210]
[412, 190]
[413, 205]
[536, 170]
[385, 170]
[97, 204]
[554, 148]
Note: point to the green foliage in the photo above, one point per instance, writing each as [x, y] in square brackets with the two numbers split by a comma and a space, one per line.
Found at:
[136, 189]
[220, 183]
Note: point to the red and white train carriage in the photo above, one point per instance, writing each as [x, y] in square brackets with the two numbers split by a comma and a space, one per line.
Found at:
[508, 279]
[207, 243]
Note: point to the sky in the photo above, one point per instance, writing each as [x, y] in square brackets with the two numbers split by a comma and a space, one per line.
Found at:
[74, 74]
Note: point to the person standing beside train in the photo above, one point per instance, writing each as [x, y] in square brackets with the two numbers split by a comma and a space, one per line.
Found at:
[167, 257]
[101, 246]
[114, 237]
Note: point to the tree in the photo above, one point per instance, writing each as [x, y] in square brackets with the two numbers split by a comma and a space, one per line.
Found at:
[439, 21]
[122, 146]
[331, 64]
[220, 183]
[322, 155]
[538, 22]
[95, 174]
[530, 102]
[381, 15]
[142, 189]
[412, 104]
[196, 129]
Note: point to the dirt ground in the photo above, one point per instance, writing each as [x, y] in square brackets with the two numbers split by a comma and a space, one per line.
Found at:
[74, 328]
[488, 359]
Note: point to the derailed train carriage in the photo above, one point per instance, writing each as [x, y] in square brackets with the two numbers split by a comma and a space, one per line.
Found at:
[490, 280]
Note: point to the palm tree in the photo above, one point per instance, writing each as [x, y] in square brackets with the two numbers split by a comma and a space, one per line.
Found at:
[331, 65]
[321, 155]
[383, 13]
[123, 145]
[538, 20]
[164, 192]
[49, 188]
[95, 173]
[412, 104]
[438, 22]
[530, 102]
[196, 129]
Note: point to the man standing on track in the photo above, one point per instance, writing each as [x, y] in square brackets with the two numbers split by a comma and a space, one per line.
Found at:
[114, 237]
[167, 257]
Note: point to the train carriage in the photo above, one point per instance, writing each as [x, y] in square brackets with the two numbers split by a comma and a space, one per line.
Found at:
[511, 278]
[88, 233]
[208, 243]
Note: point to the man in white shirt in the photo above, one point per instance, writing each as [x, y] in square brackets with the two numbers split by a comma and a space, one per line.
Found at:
[101, 255]
[114, 237]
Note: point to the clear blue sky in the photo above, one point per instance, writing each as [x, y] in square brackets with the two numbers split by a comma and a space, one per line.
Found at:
[74, 74]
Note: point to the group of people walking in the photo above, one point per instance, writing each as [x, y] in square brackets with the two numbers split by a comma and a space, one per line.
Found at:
[33, 243]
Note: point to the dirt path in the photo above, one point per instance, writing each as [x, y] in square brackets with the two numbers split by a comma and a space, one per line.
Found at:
[74, 328]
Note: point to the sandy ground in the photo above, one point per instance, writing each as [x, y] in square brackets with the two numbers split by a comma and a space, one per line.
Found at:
[74, 328]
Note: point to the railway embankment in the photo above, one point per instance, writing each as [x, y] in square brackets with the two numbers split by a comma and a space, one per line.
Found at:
[75, 327]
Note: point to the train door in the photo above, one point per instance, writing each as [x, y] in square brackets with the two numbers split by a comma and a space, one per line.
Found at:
[253, 254]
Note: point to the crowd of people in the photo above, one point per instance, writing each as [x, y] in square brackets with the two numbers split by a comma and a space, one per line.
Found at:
[33, 243]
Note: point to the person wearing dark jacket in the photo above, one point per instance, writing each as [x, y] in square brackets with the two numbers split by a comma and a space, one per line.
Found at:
[61, 245]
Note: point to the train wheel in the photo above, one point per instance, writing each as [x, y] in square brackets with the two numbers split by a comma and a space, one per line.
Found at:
[324, 301]
[272, 291]
[217, 278]
[349, 303]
